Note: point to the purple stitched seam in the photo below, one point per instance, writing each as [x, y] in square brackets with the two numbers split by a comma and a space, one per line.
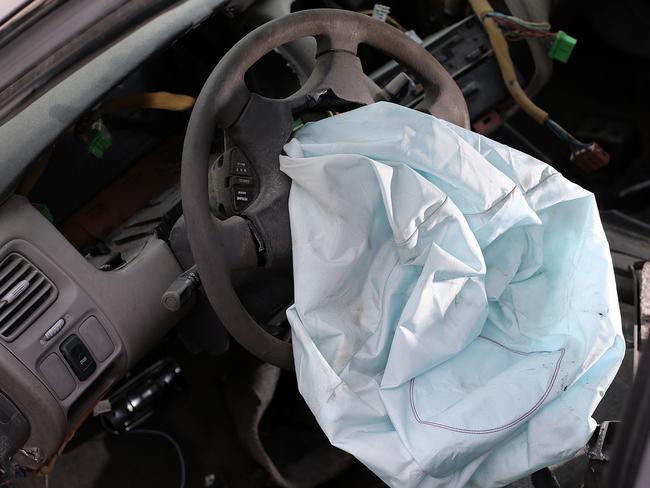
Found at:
[502, 427]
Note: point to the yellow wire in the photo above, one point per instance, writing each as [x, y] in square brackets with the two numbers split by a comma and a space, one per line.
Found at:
[502, 53]
[157, 100]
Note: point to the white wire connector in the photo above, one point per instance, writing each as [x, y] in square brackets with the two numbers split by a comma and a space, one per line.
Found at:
[380, 12]
[414, 35]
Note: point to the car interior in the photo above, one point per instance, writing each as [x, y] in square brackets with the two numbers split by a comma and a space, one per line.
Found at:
[145, 248]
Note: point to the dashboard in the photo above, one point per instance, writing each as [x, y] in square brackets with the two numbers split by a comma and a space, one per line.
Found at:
[70, 335]
[84, 319]
[61, 356]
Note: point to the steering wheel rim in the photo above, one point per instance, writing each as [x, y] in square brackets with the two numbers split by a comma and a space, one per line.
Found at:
[225, 102]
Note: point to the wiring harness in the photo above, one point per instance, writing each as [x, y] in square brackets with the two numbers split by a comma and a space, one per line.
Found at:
[516, 29]
[501, 28]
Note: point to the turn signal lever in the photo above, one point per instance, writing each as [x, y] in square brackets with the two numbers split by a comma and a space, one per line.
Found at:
[181, 290]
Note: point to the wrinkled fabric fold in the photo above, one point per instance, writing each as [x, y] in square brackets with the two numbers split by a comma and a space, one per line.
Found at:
[455, 319]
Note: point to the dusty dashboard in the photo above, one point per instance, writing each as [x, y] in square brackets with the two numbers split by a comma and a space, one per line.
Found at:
[72, 324]
[67, 330]
[81, 303]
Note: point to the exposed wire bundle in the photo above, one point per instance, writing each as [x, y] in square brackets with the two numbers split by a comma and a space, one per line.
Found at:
[516, 29]
[589, 156]
[562, 134]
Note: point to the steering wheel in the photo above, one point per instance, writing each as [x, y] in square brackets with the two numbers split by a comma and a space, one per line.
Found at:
[256, 128]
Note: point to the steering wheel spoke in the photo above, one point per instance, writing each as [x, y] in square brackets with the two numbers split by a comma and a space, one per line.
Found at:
[340, 73]
[235, 242]
[333, 38]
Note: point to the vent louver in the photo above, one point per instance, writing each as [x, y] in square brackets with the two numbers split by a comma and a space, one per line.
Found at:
[25, 293]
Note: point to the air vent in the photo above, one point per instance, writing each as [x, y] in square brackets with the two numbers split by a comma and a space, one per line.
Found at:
[25, 293]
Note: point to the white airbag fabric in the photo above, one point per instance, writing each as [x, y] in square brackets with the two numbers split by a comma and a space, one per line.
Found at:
[455, 320]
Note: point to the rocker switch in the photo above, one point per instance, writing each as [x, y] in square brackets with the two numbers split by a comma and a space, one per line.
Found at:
[242, 198]
[78, 357]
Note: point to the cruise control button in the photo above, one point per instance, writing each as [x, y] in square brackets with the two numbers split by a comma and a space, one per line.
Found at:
[241, 181]
[240, 167]
[242, 197]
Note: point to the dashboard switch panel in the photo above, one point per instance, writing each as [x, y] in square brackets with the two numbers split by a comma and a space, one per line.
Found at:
[78, 357]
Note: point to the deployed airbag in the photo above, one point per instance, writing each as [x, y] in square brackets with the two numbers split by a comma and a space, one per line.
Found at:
[455, 319]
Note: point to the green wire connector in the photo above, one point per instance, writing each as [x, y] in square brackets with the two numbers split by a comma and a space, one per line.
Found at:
[562, 47]
[46, 212]
[98, 139]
